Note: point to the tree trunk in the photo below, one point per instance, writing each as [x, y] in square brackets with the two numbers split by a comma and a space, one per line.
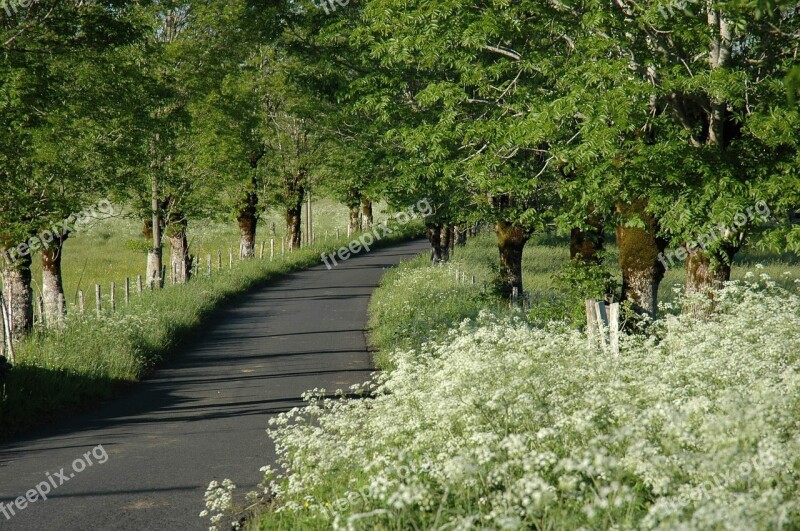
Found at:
[294, 221]
[585, 245]
[355, 219]
[180, 260]
[52, 283]
[248, 223]
[708, 271]
[17, 279]
[447, 242]
[154, 255]
[511, 240]
[460, 236]
[367, 215]
[639, 250]
[435, 237]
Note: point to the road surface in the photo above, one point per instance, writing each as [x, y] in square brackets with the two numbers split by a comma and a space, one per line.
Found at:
[202, 417]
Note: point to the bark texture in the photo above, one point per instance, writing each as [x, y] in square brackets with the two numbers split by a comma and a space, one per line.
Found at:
[17, 279]
[460, 236]
[294, 221]
[702, 275]
[585, 245]
[180, 259]
[248, 223]
[447, 242]
[435, 237]
[367, 216]
[52, 281]
[354, 223]
[639, 250]
[511, 240]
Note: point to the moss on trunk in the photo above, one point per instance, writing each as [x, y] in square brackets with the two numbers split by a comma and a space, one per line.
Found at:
[639, 250]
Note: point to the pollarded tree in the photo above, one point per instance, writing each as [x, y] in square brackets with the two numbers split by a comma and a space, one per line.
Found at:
[720, 129]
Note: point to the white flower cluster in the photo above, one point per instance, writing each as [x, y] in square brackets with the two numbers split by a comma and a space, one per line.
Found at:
[219, 501]
[506, 426]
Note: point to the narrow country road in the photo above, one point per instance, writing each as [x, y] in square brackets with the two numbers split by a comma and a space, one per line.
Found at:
[203, 416]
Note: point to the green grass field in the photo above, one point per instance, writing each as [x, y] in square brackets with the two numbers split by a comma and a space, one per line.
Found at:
[107, 250]
[434, 302]
[491, 417]
[93, 358]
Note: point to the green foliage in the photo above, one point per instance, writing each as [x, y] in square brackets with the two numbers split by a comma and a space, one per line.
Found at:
[576, 283]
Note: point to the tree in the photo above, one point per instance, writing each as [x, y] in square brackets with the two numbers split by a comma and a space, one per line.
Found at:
[54, 85]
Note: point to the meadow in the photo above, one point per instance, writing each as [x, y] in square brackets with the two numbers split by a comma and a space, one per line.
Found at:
[94, 358]
[491, 417]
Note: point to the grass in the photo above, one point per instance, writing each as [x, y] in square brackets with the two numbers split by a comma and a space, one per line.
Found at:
[108, 250]
[412, 308]
[93, 358]
[468, 420]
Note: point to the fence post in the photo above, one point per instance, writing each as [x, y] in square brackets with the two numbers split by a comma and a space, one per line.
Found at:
[127, 291]
[613, 327]
[602, 322]
[230, 256]
[98, 300]
[139, 285]
[272, 249]
[261, 255]
[81, 306]
[591, 323]
[113, 296]
[5, 317]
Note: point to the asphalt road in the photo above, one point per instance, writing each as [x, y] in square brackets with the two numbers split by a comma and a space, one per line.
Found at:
[203, 417]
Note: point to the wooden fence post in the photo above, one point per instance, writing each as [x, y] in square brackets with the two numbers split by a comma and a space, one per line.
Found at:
[602, 321]
[208, 266]
[613, 326]
[98, 299]
[5, 317]
[113, 296]
[127, 291]
[591, 323]
[139, 285]
[81, 305]
[272, 249]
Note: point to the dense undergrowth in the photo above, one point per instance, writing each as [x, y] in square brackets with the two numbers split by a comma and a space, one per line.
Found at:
[487, 419]
[93, 358]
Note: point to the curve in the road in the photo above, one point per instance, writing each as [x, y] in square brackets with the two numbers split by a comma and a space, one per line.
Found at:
[204, 416]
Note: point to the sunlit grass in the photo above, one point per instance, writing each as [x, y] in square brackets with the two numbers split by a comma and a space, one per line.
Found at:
[92, 357]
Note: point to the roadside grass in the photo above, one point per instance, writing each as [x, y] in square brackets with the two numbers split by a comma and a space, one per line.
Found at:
[92, 358]
[111, 249]
[417, 303]
[484, 417]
